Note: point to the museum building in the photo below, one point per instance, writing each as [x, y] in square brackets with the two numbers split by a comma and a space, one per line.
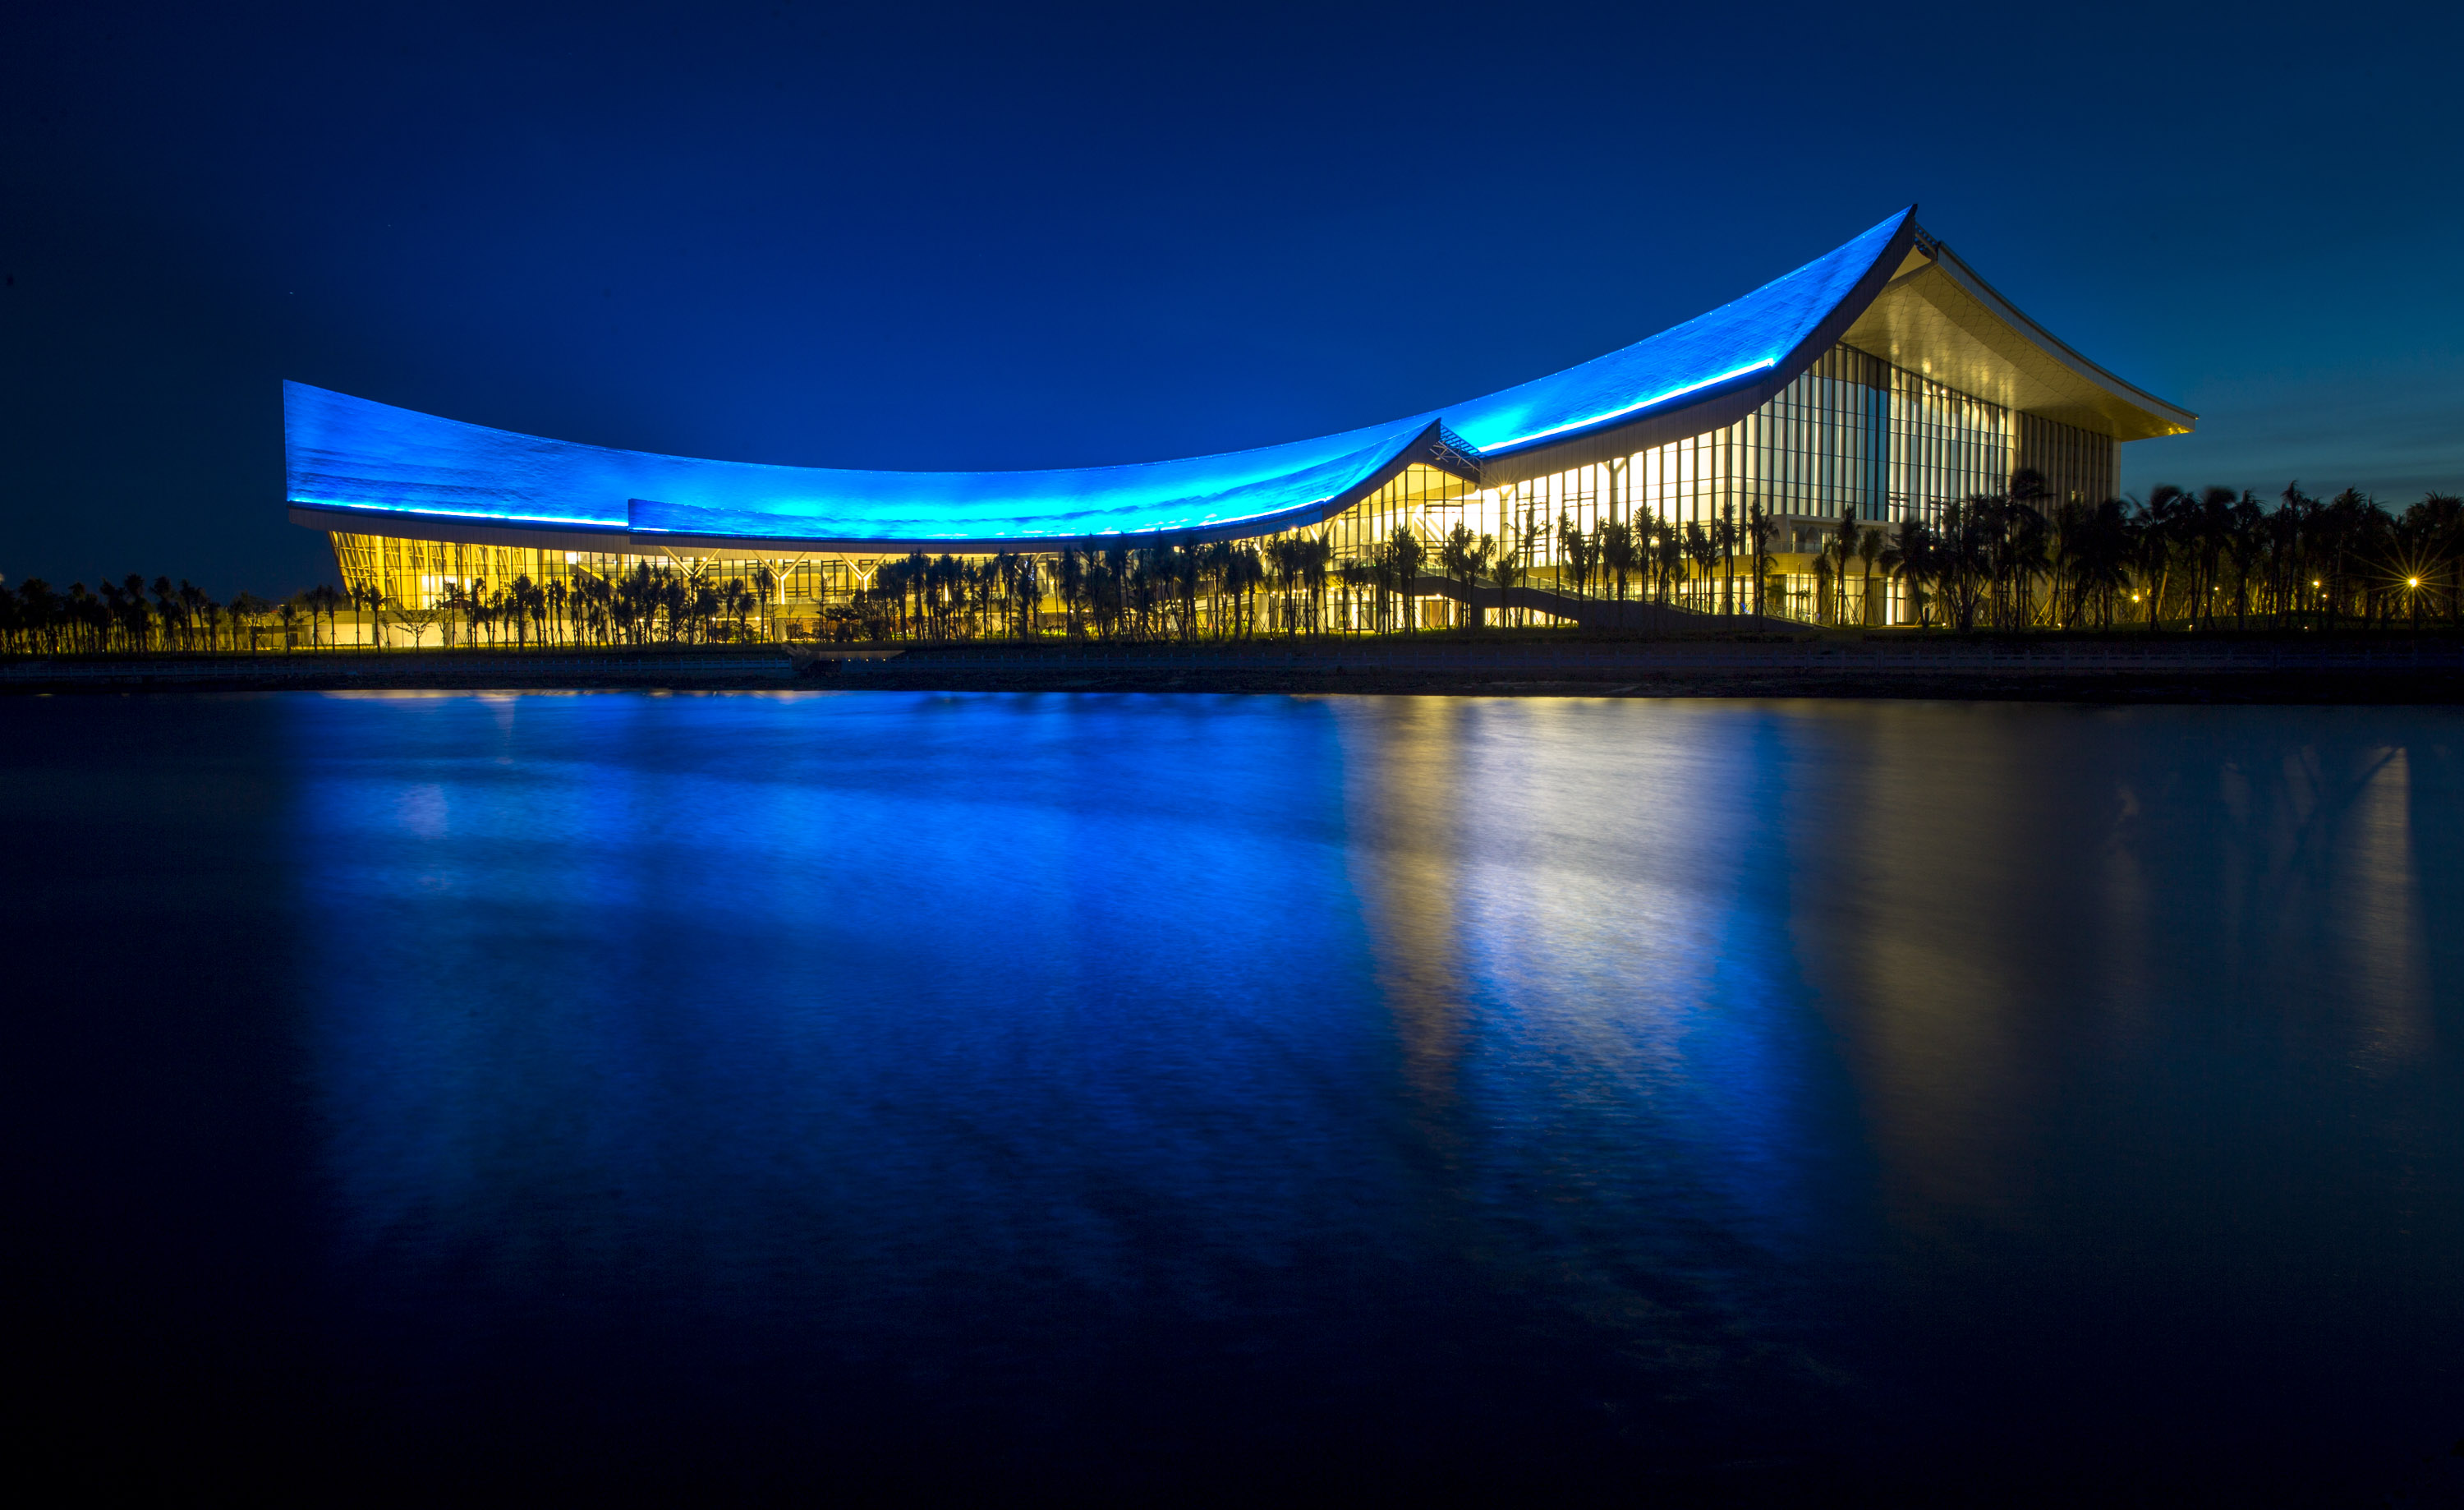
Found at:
[1883, 380]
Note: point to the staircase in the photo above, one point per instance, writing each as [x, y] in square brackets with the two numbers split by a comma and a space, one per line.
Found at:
[1600, 613]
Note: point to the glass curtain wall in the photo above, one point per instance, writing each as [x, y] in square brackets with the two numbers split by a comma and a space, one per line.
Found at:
[1945, 446]
[423, 576]
[2078, 466]
[1853, 435]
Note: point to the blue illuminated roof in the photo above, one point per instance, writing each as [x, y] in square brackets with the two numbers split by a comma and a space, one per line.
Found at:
[352, 455]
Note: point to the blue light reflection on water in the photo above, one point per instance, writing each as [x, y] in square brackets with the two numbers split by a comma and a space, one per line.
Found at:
[983, 1036]
[692, 990]
[803, 936]
[1141, 1091]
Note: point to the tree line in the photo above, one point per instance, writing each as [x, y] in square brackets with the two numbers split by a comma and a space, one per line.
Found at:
[2009, 561]
[1174, 590]
[2197, 560]
[638, 606]
[2020, 559]
[132, 615]
[635, 607]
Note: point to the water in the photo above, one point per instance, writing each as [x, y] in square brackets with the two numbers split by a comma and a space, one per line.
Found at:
[1191, 1096]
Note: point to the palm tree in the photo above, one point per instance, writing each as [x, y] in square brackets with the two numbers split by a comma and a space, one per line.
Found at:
[2438, 534]
[2245, 540]
[1187, 568]
[1844, 552]
[518, 609]
[1317, 554]
[2100, 567]
[1283, 571]
[1464, 557]
[1506, 568]
[192, 602]
[2299, 541]
[1216, 571]
[1356, 575]
[40, 610]
[1869, 549]
[1248, 576]
[129, 606]
[2210, 534]
[2355, 527]
[2158, 522]
[1698, 548]
[2020, 559]
[1891, 561]
[165, 611]
[1758, 533]
[765, 587]
[1951, 561]
[1578, 551]
[1618, 557]
[1112, 588]
[1235, 567]
[1070, 585]
[1668, 556]
[314, 600]
[1404, 553]
[1030, 590]
[1918, 566]
[2069, 529]
[135, 618]
[1725, 538]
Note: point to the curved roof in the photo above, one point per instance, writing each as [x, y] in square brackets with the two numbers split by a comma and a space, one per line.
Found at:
[358, 465]
[1937, 316]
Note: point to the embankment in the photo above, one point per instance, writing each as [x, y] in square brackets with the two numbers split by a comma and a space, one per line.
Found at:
[2169, 667]
[2179, 669]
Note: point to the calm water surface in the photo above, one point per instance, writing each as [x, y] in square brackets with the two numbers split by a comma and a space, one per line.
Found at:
[1121, 1096]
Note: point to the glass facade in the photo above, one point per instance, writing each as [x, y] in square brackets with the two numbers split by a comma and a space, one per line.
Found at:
[423, 576]
[1853, 435]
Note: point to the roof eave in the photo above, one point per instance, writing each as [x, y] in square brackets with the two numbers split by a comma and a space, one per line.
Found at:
[1426, 447]
[1715, 408]
[2168, 418]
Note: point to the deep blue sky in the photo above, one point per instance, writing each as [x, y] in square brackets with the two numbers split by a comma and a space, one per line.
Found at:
[930, 237]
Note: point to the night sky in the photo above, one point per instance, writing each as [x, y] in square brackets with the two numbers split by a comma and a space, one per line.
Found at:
[924, 237]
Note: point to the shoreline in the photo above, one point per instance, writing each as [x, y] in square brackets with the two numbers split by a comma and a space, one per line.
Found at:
[2238, 689]
[2174, 669]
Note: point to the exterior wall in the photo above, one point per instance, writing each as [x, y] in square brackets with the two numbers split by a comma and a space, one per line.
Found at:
[416, 574]
[1852, 436]
[2078, 465]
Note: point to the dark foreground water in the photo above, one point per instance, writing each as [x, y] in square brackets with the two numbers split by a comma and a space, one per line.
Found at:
[1182, 1097]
